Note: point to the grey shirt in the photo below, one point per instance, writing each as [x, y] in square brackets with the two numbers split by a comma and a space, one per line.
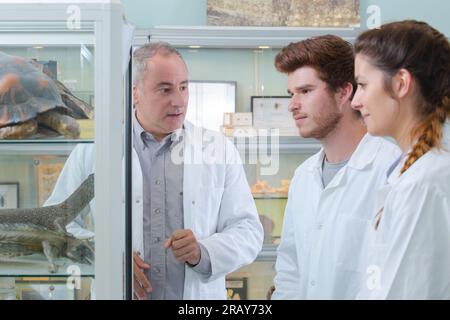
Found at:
[329, 170]
[163, 212]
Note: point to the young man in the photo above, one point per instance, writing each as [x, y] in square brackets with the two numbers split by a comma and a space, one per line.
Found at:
[332, 195]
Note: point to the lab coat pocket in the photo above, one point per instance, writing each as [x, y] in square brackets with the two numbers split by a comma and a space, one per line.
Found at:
[213, 290]
[350, 249]
[376, 249]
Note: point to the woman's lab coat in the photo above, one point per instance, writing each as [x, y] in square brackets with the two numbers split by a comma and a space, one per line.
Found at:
[218, 206]
[409, 253]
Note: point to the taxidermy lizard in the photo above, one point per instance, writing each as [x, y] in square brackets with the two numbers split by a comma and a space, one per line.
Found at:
[42, 230]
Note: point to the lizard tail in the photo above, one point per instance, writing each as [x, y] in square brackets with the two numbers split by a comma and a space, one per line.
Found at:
[79, 199]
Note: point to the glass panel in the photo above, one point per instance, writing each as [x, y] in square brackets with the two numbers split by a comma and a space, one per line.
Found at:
[251, 69]
[31, 243]
[41, 256]
[251, 282]
[208, 101]
[271, 191]
[270, 156]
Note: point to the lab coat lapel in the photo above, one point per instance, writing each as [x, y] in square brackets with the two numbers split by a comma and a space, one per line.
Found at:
[339, 180]
[191, 174]
[137, 204]
[316, 169]
[191, 180]
[360, 160]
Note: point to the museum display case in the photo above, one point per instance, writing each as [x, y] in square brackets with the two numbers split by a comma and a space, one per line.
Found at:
[59, 93]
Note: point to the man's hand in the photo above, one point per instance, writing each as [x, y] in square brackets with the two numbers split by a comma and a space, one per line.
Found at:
[142, 285]
[184, 246]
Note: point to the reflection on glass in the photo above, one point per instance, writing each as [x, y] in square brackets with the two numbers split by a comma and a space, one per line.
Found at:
[251, 282]
[208, 101]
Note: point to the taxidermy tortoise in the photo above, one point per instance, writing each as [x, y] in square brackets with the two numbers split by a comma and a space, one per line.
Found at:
[30, 99]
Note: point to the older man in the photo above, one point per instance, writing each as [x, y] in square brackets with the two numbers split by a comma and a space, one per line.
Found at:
[194, 218]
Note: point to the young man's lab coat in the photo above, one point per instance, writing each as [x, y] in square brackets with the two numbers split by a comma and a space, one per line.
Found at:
[321, 253]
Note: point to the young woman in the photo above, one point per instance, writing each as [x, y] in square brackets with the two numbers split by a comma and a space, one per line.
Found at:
[403, 75]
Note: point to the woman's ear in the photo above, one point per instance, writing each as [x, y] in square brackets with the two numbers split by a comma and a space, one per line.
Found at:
[402, 83]
[345, 92]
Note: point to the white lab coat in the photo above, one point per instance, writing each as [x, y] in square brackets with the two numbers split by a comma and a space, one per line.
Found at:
[324, 230]
[409, 253]
[218, 206]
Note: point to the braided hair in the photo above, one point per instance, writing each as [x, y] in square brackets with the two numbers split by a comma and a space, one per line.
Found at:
[425, 53]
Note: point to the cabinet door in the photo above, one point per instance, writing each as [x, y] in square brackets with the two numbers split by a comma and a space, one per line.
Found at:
[270, 191]
[269, 145]
[60, 122]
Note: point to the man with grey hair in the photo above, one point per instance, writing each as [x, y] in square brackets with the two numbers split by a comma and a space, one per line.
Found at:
[205, 211]
[194, 218]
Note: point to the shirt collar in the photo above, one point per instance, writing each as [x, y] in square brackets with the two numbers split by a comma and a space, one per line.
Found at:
[363, 156]
[393, 173]
[137, 128]
[173, 139]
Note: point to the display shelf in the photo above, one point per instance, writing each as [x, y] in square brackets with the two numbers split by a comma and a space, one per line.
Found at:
[48, 33]
[242, 37]
[268, 196]
[53, 142]
[269, 252]
[285, 145]
[38, 147]
[37, 266]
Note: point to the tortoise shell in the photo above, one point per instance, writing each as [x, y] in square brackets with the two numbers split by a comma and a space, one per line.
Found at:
[25, 92]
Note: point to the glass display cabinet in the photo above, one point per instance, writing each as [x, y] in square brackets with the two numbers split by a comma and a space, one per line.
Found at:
[261, 126]
[59, 93]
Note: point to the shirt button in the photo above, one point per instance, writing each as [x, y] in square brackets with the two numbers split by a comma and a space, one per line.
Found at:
[158, 182]
[320, 226]
[193, 202]
[157, 210]
[156, 269]
[156, 239]
[313, 283]
[138, 200]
